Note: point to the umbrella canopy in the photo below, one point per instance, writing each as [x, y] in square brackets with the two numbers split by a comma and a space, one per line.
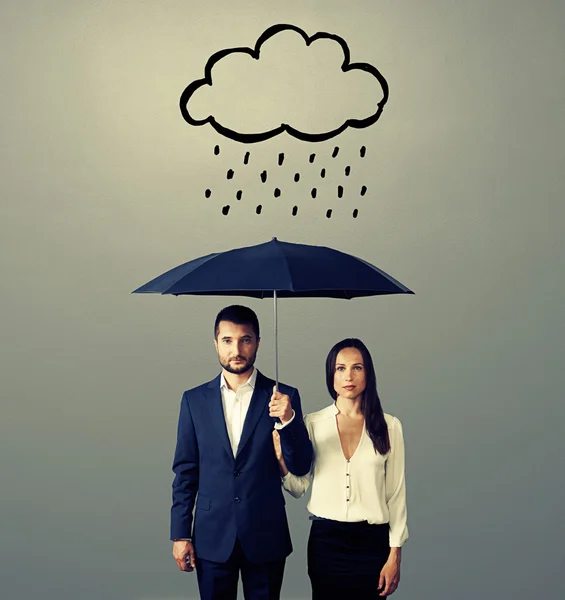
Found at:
[290, 270]
[276, 269]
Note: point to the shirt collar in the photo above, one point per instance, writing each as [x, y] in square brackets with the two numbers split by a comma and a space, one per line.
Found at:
[250, 382]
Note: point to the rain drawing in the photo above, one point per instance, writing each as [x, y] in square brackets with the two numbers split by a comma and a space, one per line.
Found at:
[256, 93]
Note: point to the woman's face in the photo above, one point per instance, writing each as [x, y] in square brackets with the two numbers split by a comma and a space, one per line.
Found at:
[349, 376]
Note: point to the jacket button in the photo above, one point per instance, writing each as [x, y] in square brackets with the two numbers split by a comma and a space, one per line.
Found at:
[237, 500]
[237, 473]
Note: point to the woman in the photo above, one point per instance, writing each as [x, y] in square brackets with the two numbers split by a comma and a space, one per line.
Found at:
[358, 496]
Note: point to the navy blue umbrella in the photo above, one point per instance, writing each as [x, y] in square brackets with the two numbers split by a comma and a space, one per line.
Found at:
[276, 269]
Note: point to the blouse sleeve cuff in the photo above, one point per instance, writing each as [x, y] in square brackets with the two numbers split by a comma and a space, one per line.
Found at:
[397, 542]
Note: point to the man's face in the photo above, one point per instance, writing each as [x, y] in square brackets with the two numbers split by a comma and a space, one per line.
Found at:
[236, 346]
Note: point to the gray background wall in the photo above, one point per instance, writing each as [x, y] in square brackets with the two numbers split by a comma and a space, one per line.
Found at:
[102, 189]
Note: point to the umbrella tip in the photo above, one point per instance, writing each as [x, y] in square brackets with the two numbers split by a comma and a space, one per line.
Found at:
[274, 239]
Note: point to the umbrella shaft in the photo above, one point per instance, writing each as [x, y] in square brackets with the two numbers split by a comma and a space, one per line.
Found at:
[276, 342]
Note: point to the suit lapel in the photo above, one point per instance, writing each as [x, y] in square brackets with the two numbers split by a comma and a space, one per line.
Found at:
[257, 407]
[214, 401]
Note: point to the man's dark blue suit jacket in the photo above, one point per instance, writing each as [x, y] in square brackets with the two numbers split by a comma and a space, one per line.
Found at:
[239, 496]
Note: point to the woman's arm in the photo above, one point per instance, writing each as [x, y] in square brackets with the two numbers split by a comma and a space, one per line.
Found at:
[295, 485]
[395, 486]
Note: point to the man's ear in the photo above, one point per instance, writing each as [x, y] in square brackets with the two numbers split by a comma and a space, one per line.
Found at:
[216, 344]
[258, 342]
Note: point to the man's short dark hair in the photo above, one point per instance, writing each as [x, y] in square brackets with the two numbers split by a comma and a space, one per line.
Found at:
[240, 315]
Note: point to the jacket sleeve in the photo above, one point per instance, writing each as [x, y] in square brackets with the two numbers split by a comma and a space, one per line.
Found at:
[297, 485]
[186, 470]
[295, 443]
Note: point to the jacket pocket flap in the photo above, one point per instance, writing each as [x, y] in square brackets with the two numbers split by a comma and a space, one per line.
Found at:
[202, 502]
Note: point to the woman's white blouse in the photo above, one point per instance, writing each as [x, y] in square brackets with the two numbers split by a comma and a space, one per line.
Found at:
[367, 487]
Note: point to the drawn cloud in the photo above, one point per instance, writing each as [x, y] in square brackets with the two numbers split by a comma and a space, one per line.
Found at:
[289, 82]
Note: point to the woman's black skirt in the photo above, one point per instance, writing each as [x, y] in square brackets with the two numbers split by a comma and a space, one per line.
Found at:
[345, 559]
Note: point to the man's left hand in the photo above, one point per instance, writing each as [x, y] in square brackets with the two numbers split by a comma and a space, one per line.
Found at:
[280, 406]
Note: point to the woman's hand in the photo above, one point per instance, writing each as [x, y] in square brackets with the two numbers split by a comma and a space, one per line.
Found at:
[278, 453]
[390, 574]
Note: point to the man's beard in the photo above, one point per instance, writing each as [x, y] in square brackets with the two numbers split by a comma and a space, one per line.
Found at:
[246, 366]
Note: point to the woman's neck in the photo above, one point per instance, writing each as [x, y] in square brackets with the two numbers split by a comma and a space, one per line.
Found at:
[350, 407]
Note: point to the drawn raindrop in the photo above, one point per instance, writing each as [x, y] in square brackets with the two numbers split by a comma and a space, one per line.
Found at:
[226, 209]
[314, 192]
[362, 151]
[329, 213]
[363, 190]
[208, 193]
[347, 171]
[246, 158]
[294, 211]
[239, 194]
[312, 157]
[216, 150]
[277, 192]
[259, 209]
[230, 174]
[323, 173]
[335, 152]
[355, 213]
[281, 159]
[297, 177]
[264, 176]
[340, 191]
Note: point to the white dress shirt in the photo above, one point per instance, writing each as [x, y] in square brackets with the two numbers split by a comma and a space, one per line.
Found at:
[236, 404]
[367, 487]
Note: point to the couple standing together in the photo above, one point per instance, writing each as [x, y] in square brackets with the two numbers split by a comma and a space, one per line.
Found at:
[239, 440]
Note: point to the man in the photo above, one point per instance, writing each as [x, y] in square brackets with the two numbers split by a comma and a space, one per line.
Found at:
[225, 462]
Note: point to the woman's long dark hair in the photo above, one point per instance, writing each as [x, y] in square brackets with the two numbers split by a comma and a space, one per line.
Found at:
[370, 403]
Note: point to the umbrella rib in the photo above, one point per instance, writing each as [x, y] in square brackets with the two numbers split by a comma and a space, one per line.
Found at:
[386, 275]
[287, 266]
[210, 259]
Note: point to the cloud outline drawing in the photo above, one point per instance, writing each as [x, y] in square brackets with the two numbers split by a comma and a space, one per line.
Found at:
[250, 138]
